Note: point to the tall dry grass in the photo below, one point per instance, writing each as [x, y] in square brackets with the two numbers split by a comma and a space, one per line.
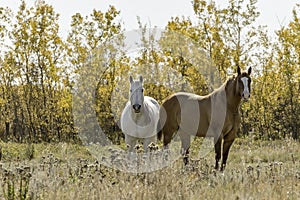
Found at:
[256, 170]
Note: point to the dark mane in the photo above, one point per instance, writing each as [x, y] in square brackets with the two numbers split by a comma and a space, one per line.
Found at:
[229, 81]
[244, 74]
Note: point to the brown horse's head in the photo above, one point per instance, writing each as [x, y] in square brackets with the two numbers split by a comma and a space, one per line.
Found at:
[243, 83]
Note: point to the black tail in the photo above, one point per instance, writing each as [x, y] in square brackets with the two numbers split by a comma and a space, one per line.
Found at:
[159, 130]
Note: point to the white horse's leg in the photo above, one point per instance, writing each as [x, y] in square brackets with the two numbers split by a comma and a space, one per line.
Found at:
[148, 141]
[130, 142]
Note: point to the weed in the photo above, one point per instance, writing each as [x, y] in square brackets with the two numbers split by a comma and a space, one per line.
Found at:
[257, 170]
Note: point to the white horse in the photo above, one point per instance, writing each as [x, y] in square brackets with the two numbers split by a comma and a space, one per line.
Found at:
[140, 116]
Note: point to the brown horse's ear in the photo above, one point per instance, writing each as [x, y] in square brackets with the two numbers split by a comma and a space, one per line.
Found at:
[239, 71]
[130, 79]
[249, 70]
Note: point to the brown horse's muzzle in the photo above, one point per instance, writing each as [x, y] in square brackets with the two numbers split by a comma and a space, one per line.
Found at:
[246, 97]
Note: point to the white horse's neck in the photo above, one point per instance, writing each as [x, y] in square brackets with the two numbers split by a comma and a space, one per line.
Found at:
[142, 118]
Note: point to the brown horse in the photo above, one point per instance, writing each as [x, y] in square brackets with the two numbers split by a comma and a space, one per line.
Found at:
[215, 115]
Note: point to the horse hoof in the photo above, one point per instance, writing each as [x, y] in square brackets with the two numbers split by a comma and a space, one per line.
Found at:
[223, 167]
[186, 160]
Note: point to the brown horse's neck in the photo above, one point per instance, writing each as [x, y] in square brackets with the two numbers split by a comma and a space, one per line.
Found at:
[233, 98]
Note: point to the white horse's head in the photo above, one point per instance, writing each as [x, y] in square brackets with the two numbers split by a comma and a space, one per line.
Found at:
[136, 94]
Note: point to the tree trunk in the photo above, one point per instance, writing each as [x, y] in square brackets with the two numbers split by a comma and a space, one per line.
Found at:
[6, 130]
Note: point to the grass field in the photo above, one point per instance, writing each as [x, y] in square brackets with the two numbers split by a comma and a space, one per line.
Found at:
[255, 170]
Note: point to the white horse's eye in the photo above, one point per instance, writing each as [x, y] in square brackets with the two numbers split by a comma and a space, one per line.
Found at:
[130, 90]
[142, 90]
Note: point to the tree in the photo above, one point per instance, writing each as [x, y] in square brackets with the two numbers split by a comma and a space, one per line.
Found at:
[36, 58]
[288, 61]
[6, 73]
[95, 60]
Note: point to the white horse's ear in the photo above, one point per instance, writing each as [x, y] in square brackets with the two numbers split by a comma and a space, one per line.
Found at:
[239, 70]
[130, 79]
[249, 70]
[141, 79]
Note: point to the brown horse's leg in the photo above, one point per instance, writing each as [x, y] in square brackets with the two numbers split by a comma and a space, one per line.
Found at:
[167, 138]
[226, 146]
[218, 142]
[185, 145]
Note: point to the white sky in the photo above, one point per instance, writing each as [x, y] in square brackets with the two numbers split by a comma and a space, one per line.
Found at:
[274, 13]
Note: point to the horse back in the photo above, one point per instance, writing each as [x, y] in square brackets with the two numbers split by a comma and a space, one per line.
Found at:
[187, 111]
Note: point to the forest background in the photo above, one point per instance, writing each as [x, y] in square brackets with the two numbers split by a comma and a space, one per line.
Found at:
[40, 69]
